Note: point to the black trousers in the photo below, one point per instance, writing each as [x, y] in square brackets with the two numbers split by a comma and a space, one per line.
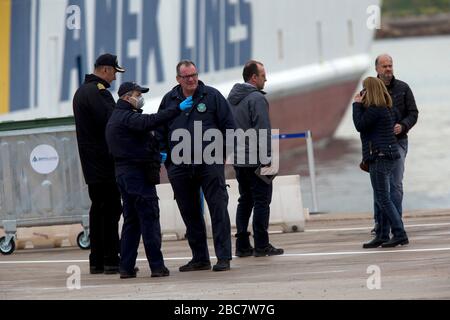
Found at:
[256, 196]
[186, 182]
[140, 217]
[104, 218]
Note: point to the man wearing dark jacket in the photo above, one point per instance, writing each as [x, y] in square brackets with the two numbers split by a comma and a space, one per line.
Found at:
[404, 106]
[92, 107]
[204, 108]
[137, 161]
[251, 111]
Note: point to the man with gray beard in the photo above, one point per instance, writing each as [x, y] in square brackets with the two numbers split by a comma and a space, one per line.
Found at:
[405, 109]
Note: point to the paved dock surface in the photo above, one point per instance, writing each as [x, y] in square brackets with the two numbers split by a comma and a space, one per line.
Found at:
[324, 262]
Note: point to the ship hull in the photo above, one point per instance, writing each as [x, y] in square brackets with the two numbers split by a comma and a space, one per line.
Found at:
[319, 111]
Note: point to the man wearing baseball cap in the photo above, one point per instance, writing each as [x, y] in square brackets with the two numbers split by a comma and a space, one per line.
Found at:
[108, 60]
[137, 163]
[93, 104]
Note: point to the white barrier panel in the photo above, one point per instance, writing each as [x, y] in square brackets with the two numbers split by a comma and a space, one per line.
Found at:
[169, 215]
[286, 209]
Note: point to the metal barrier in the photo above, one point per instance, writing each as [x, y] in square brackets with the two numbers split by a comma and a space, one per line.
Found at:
[311, 164]
[41, 181]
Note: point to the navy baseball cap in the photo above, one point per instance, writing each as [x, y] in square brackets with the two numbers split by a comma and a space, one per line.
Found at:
[131, 86]
[108, 60]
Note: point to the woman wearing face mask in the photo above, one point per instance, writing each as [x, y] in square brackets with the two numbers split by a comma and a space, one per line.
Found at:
[374, 119]
[137, 163]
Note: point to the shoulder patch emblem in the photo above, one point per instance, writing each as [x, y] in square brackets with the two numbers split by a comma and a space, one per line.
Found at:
[100, 86]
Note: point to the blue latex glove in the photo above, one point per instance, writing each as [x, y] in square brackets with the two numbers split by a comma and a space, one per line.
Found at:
[163, 157]
[186, 104]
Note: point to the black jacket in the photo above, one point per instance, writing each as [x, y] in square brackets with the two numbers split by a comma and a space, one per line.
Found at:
[250, 109]
[210, 107]
[130, 139]
[404, 104]
[376, 125]
[92, 107]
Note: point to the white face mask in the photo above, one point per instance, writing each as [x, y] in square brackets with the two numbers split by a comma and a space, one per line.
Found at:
[140, 101]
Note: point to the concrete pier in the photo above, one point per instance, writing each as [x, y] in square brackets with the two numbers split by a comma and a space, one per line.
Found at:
[324, 262]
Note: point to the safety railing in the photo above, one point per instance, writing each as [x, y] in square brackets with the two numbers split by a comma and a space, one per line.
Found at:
[311, 163]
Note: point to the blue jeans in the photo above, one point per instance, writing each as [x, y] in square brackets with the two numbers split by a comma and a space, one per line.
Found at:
[396, 180]
[141, 216]
[380, 173]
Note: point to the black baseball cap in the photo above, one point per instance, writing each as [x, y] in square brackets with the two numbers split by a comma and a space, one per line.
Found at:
[108, 59]
[131, 86]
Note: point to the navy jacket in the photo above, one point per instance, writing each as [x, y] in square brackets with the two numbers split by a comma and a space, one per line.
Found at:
[210, 107]
[404, 106]
[92, 107]
[129, 136]
[376, 125]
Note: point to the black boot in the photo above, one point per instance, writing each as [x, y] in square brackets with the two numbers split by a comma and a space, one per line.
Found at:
[196, 266]
[162, 272]
[222, 265]
[243, 246]
[270, 250]
[374, 243]
[396, 241]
